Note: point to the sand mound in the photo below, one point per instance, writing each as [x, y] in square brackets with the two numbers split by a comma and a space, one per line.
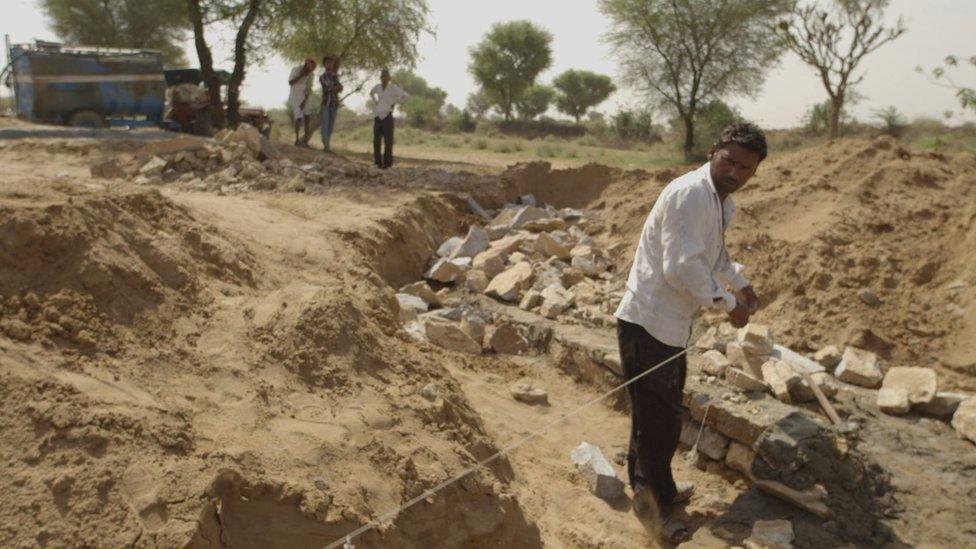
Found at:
[90, 271]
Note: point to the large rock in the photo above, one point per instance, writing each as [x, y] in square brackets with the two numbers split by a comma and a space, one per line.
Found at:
[491, 261]
[449, 245]
[714, 363]
[713, 444]
[450, 336]
[549, 247]
[526, 214]
[550, 224]
[508, 285]
[600, 475]
[153, 166]
[423, 291]
[745, 381]
[505, 339]
[443, 270]
[893, 400]
[746, 362]
[756, 339]
[410, 307]
[828, 356]
[799, 362]
[474, 326]
[964, 420]
[473, 244]
[919, 383]
[555, 300]
[770, 534]
[531, 300]
[739, 457]
[476, 280]
[249, 135]
[942, 405]
[780, 377]
[859, 367]
[523, 391]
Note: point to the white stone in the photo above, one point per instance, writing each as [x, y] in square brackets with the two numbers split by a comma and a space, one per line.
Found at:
[799, 362]
[549, 247]
[538, 225]
[555, 300]
[505, 339]
[920, 383]
[713, 444]
[410, 307]
[780, 377]
[525, 392]
[508, 285]
[756, 339]
[714, 363]
[443, 270]
[744, 380]
[249, 135]
[828, 356]
[423, 291]
[964, 420]
[739, 457]
[746, 362]
[492, 262]
[770, 534]
[600, 475]
[474, 326]
[859, 367]
[526, 214]
[449, 336]
[154, 166]
[476, 280]
[449, 245]
[531, 300]
[476, 242]
[893, 400]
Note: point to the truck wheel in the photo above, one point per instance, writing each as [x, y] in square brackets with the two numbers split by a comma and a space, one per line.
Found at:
[87, 119]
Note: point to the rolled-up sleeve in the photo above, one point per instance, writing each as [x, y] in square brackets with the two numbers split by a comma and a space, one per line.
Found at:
[685, 264]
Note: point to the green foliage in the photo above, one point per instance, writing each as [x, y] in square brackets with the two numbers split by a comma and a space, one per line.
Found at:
[534, 101]
[941, 75]
[424, 104]
[478, 104]
[710, 120]
[579, 91]
[684, 53]
[507, 61]
[816, 121]
[122, 24]
[365, 34]
[892, 121]
[634, 125]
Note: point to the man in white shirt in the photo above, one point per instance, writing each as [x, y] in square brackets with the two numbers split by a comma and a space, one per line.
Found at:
[299, 98]
[681, 265]
[385, 96]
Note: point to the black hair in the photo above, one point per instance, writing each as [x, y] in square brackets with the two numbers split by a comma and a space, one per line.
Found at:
[327, 58]
[746, 135]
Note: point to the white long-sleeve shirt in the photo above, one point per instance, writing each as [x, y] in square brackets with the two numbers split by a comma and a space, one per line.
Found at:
[386, 98]
[681, 262]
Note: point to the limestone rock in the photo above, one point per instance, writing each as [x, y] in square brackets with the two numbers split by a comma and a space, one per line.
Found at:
[550, 224]
[523, 391]
[859, 367]
[739, 457]
[450, 336]
[410, 307]
[449, 245]
[770, 534]
[756, 339]
[600, 475]
[531, 300]
[476, 280]
[249, 136]
[571, 276]
[474, 326]
[708, 340]
[549, 247]
[508, 285]
[714, 363]
[473, 244]
[781, 378]
[588, 265]
[526, 214]
[829, 356]
[893, 400]
[505, 339]
[919, 383]
[154, 166]
[555, 300]
[746, 362]
[799, 362]
[744, 380]
[443, 270]
[964, 420]
[491, 261]
[713, 444]
[423, 291]
[942, 405]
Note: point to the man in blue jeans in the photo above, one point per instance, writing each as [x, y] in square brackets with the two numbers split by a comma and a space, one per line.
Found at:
[681, 266]
[331, 88]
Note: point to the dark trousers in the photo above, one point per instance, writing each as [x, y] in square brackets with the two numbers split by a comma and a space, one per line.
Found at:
[655, 410]
[383, 130]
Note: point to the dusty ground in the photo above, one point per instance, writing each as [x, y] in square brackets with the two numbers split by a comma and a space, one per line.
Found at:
[196, 369]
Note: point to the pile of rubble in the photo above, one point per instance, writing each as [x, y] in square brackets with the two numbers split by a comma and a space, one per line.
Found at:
[233, 161]
[750, 360]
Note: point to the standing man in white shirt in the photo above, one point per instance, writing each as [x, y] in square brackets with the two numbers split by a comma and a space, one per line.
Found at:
[385, 96]
[299, 98]
[681, 266]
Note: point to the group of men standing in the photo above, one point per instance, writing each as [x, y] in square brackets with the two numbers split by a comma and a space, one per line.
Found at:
[385, 96]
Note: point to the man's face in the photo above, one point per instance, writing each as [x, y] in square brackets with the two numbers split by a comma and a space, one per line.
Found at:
[385, 79]
[328, 65]
[732, 166]
[310, 65]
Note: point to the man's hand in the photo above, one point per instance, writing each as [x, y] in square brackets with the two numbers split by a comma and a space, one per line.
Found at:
[748, 296]
[740, 314]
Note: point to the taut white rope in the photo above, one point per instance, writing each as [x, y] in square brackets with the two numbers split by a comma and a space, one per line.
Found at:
[347, 539]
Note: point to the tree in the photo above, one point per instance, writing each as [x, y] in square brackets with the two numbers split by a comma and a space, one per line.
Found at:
[425, 102]
[534, 101]
[684, 53]
[893, 122]
[710, 119]
[835, 41]
[121, 24]
[941, 76]
[478, 104]
[366, 35]
[580, 91]
[507, 61]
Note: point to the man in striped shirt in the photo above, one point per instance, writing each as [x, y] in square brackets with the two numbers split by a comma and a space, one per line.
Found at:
[331, 88]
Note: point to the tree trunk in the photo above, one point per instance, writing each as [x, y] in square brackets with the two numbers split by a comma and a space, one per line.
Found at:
[240, 62]
[206, 64]
[833, 120]
[689, 146]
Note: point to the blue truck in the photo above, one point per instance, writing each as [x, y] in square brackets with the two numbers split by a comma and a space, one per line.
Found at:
[86, 87]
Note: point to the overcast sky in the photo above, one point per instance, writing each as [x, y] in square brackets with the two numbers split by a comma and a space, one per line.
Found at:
[935, 28]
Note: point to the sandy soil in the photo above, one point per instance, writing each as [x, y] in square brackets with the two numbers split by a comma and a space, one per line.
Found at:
[206, 370]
